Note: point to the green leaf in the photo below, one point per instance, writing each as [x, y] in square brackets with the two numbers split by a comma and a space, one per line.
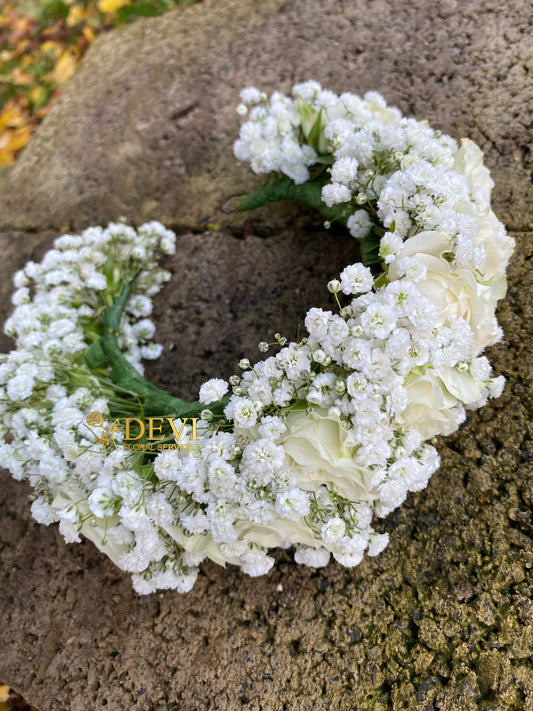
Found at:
[95, 355]
[316, 138]
[53, 10]
[369, 247]
[153, 400]
[114, 313]
[310, 193]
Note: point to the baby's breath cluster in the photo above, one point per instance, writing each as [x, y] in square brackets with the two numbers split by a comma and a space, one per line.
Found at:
[47, 391]
[306, 447]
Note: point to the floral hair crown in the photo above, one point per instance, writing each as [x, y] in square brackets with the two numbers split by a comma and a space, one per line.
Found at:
[306, 447]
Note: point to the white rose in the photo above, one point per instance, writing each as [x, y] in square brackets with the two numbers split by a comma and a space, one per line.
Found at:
[434, 400]
[200, 544]
[315, 445]
[93, 528]
[431, 408]
[455, 291]
[97, 534]
[278, 533]
[469, 162]
[498, 245]
[492, 237]
[462, 385]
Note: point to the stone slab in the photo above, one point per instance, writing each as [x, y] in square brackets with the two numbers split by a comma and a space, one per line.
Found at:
[442, 619]
[145, 128]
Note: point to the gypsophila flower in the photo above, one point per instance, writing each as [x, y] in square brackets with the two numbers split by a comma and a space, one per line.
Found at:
[344, 170]
[356, 279]
[292, 504]
[389, 246]
[335, 193]
[333, 530]
[213, 390]
[359, 224]
[242, 411]
[313, 557]
[378, 320]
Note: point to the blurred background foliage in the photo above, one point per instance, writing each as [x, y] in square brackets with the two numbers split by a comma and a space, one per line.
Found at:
[42, 43]
[11, 701]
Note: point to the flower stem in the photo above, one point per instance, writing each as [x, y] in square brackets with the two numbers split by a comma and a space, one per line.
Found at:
[154, 400]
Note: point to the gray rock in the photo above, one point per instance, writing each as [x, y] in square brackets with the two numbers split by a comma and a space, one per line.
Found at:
[443, 618]
[228, 294]
[145, 128]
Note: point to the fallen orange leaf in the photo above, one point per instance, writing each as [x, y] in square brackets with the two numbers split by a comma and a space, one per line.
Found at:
[41, 113]
[65, 67]
[7, 157]
[13, 141]
[17, 77]
[88, 34]
[111, 5]
[76, 14]
[54, 47]
[12, 117]
[38, 95]
[20, 26]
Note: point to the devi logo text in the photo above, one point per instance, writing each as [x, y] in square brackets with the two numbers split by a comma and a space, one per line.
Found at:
[153, 434]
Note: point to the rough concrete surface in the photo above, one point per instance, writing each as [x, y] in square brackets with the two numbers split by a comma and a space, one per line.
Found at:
[443, 619]
[151, 114]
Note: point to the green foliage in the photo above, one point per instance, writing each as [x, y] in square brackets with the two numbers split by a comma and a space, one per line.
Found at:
[310, 194]
[43, 43]
[147, 8]
[153, 400]
[52, 10]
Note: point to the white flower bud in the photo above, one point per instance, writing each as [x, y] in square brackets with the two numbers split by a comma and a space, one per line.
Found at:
[346, 312]
[340, 386]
